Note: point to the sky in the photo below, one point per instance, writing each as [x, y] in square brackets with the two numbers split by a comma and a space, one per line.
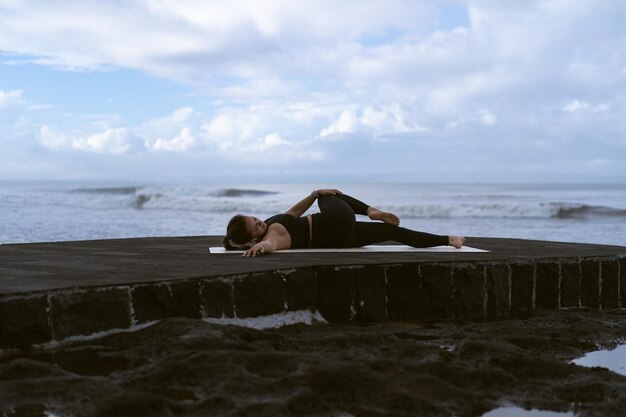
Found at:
[419, 91]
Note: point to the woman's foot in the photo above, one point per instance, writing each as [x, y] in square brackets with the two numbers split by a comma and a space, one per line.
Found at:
[390, 218]
[456, 241]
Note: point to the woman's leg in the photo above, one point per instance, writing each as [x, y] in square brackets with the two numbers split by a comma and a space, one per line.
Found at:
[334, 225]
[373, 213]
[357, 206]
[367, 233]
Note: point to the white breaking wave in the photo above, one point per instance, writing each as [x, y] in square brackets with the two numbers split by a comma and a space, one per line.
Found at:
[221, 200]
[46, 211]
[561, 210]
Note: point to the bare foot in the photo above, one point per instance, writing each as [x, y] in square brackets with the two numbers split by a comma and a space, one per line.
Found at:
[390, 218]
[456, 241]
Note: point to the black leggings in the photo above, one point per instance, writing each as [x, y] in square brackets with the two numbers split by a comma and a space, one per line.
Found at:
[336, 227]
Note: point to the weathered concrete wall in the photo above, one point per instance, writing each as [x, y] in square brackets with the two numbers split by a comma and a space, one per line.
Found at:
[348, 293]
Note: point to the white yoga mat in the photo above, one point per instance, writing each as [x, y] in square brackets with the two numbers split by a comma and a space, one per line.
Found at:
[369, 248]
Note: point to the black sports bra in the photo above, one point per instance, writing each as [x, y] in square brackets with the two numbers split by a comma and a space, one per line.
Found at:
[297, 227]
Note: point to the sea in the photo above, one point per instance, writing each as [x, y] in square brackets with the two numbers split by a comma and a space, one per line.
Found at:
[48, 211]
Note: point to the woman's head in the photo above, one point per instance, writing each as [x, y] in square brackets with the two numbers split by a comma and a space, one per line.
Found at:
[243, 232]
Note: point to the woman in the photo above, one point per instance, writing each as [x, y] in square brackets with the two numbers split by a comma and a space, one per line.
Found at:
[334, 226]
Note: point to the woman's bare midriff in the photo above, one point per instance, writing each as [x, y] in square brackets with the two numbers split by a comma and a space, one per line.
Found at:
[310, 219]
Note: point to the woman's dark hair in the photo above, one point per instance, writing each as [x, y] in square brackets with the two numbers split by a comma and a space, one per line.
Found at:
[237, 234]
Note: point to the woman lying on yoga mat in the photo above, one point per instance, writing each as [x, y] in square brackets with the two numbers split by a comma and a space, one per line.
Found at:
[334, 226]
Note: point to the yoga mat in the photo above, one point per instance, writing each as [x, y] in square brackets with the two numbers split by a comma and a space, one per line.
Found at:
[369, 248]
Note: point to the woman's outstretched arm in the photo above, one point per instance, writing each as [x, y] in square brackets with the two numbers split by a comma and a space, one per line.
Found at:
[265, 246]
[299, 209]
[274, 239]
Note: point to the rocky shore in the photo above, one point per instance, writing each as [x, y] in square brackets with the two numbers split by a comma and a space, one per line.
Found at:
[189, 367]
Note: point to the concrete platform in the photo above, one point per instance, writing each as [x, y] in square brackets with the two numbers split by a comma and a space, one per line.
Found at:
[52, 291]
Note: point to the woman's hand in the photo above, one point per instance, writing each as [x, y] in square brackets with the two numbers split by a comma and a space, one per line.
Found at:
[328, 191]
[257, 249]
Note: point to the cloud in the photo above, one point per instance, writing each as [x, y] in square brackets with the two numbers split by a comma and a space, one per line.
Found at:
[372, 122]
[298, 82]
[8, 98]
[114, 141]
[179, 143]
[52, 138]
[175, 124]
[575, 105]
[192, 40]
[286, 129]
[346, 123]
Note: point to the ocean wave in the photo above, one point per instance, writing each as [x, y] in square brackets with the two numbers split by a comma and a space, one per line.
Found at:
[107, 190]
[237, 192]
[585, 211]
[206, 204]
[140, 200]
[259, 202]
[558, 210]
[170, 198]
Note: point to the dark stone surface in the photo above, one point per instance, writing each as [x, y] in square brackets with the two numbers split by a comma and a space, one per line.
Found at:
[87, 312]
[186, 298]
[46, 266]
[344, 286]
[403, 288]
[436, 291]
[590, 283]
[622, 282]
[370, 293]
[258, 294]
[24, 321]
[570, 284]
[300, 288]
[497, 292]
[609, 289]
[152, 302]
[335, 292]
[547, 286]
[468, 292]
[217, 298]
[522, 281]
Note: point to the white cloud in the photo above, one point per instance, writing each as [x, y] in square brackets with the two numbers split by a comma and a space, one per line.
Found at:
[388, 120]
[178, 116]
[271, 140]
[51, 138]
[372, 122]
[179, 143]
[8, 98]
[232, 125]
[575, 105]
[193, 40]
[113, 141]
[322, 81]
[346, 123]
[263, 133]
